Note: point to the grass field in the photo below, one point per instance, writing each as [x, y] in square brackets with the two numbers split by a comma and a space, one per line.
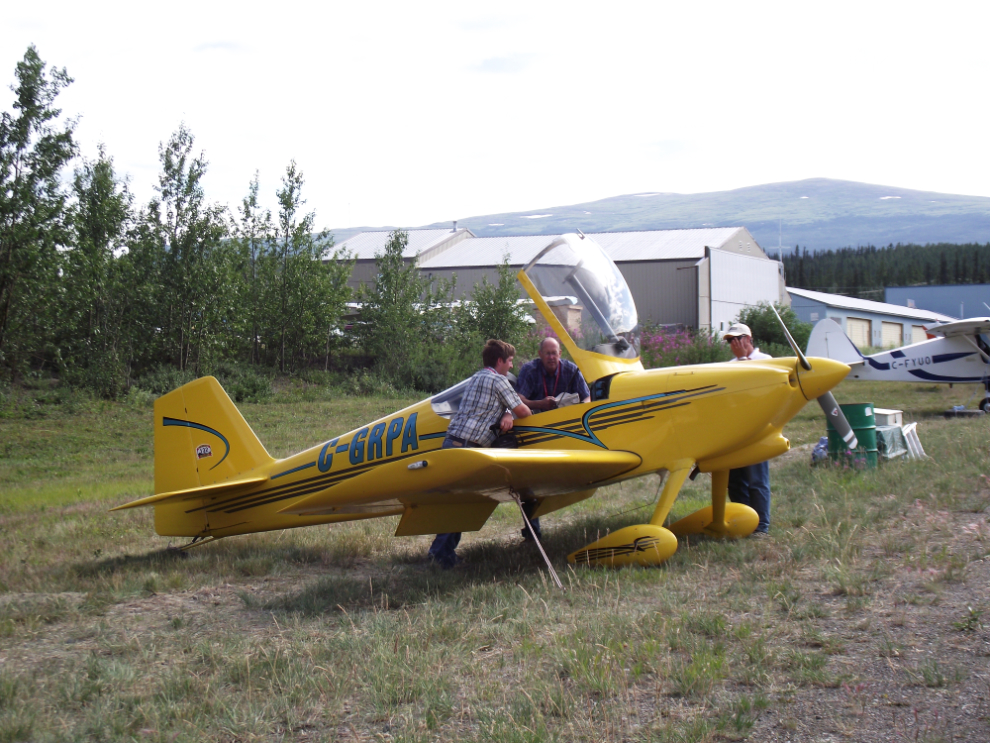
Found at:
[861, 619]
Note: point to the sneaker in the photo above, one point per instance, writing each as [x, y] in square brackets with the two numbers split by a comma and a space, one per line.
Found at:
[760, 535]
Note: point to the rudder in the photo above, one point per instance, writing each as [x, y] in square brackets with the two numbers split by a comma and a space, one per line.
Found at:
[827, 341]
[202, 439]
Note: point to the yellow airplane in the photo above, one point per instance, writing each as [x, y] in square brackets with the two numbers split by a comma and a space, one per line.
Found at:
[214, 478]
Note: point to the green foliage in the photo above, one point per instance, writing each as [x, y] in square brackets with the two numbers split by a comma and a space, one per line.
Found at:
[243, 382]
[34, 148]
[95, 332]
[163, 378]
[864, 272]
[251, 235]
[768, 336]
[190, 261]
[495, 311]
[411, 328]
[660, 347]
[302, 297]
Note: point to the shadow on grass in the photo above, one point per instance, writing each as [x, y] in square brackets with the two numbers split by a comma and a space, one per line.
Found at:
[227, 558]
[127, 564]
[485, 563]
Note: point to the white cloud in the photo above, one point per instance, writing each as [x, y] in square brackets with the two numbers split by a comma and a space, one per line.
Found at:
[505, 65]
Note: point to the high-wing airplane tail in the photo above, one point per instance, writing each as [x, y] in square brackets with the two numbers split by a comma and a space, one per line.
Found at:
[827, 341]
[201, 439]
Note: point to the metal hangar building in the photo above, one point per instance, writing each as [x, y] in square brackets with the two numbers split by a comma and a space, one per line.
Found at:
[699, 278]
[867, 323]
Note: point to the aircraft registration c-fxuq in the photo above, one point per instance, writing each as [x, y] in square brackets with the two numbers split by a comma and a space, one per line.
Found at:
[959, 354]
[214, 478]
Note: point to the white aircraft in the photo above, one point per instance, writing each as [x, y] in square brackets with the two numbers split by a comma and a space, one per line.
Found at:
[959, 354]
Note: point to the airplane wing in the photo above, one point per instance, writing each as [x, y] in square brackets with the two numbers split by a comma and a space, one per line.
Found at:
[461, 476]
[970, 326]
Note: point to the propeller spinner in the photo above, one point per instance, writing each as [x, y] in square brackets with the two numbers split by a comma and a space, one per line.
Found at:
[831, 408]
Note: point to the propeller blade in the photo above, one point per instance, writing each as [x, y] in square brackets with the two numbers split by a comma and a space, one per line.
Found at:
[838, 419]
[790, 339]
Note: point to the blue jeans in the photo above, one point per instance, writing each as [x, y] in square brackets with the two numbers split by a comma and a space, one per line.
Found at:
[751, 487]
[442, 550]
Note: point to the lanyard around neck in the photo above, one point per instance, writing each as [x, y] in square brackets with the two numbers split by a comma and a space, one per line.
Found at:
[556, 379]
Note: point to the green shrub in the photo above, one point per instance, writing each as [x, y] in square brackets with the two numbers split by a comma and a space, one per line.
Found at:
[244, 383]
[767, 331]
[164, 378]
[660, 347]
[139, 398]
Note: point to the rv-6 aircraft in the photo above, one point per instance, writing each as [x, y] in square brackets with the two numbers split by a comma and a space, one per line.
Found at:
[214, 479]
[959, 354]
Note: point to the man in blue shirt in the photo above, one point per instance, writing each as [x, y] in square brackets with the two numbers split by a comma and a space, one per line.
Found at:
[539, 383]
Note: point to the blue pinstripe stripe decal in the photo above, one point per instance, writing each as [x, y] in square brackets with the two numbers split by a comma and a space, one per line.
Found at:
[200, 427]
[294, 469]
[591, 438]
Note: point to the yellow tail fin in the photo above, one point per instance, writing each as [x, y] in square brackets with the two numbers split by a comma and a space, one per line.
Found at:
[201, 438]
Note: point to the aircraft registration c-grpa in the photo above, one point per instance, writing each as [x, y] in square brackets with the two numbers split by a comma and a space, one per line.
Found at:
[214, 479]
[959, 354]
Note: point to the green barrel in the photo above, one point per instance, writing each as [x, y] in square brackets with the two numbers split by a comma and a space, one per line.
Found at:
[864, 425]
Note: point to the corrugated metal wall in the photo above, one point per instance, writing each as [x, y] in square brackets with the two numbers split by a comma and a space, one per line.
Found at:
[666, 292]
[468, 277]
[739, 281]
[962, 300]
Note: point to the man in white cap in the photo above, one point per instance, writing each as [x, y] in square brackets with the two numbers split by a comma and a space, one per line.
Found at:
[749, 485]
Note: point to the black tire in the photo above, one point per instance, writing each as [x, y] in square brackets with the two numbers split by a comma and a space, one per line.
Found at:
[985, 405]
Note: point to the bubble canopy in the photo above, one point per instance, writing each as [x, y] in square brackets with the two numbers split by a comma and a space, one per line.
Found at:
[586, 292]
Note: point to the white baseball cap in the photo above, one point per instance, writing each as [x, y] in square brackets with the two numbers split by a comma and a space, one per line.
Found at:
[736, 330]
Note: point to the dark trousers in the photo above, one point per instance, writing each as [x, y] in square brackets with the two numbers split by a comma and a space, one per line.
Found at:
[751, 487]
[442, 550]
[530, 506]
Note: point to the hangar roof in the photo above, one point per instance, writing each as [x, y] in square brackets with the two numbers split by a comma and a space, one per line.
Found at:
[365, 245]
[649, 245]
[658, 245]
[489, 251]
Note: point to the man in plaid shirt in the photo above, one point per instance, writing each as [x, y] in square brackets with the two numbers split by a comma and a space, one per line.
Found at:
[488, 400]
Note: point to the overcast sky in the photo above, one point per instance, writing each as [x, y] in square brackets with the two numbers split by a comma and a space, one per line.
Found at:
[409, 113]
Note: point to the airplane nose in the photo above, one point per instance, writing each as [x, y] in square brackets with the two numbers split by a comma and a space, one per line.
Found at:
[823, 376]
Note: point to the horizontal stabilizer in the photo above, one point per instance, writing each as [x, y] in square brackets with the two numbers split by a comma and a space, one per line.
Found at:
[190, 493]
[827, 341]
[449, 475]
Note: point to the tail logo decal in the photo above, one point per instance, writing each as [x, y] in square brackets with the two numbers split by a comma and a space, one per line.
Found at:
[200, 427]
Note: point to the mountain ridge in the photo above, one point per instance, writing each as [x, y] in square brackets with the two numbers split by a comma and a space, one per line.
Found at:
[816, 213]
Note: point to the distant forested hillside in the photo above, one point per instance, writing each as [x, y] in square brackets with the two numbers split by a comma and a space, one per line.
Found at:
[864, 272]
[817, 214]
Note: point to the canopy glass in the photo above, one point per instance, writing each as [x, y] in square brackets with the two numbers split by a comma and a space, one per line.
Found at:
[585, 290]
